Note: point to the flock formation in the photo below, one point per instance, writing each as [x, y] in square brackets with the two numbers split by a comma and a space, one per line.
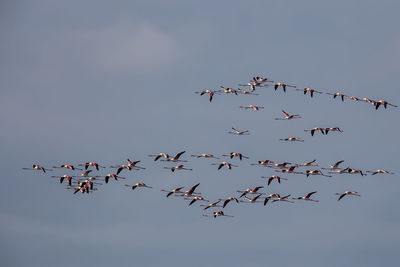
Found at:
[86, 178]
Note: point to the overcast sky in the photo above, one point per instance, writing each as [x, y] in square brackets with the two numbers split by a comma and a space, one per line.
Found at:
[108, 80]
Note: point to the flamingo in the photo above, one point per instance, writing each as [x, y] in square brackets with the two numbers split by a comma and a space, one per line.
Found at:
[309, 90]
[178, 167]
[245, 92]
[159, 155]
[139, 184]
[176, 157]
[205, 155]
[315, 129]
[295, 139]
[195, 198]
[209, 92]
[191, 192]
[267, 198]
[235, 131]
[316, 172]
[65, 177]
[133, 164]
[229, 90]
[236, 154]
[280, 165]
[217, 214]
[256, 108]
[226, 201]
[259, 79]
[347, 193]
[67, 166]
[307, 197]
[337, 94]
[333, 129]
[250, 191]
[310, 163]
[211, 205]
[112, 175]
[251, 200]
[93, 164]
[226, 164]
[380, 171]
[288, 116]
[384, 103]
[173, 191]
[283, 85]
[284, 198]
[274, 177]
[37, 167]
[351, 170]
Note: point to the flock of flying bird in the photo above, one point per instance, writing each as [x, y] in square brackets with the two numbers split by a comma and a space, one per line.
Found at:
[87, 182]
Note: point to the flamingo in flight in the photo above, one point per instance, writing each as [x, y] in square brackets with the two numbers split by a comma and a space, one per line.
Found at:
[337, 94]
[280, 165]
[226, 164]
[283, 85]
[67, 166]
[307, 197]
[209, 92]
[256, 108]
[284, 198]
[237, 132]
[270, 196]
[250, 191]
[384, 103]
[289, 170]
[229, 199]
[333, 129]
[295, 139]
[218, 214]
[262, 162]
[334, 166]
[173, 191]
[251, 200]
[310, 163]
[93, 164]
[133, 164]
[37, 167]
[204, 155]
[211, 205]
[112, 175]
[259, 79]
[176, 157]
[289, 116]
[139, 184]
[347, 193]
[245, 92]
[310, 91]
[65, 177]
[253, 85]
[380, 171]
[315, 129]
[274, 177]
[178, 167]
[229, 90]
[159, 155]
[236, 154]
[316, 172]
[351, 170]
[195, 198]
[191, 192]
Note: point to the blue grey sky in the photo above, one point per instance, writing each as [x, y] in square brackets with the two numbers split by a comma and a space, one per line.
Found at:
[108, 80]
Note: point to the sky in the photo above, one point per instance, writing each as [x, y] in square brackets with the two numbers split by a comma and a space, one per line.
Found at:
[105, 81]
